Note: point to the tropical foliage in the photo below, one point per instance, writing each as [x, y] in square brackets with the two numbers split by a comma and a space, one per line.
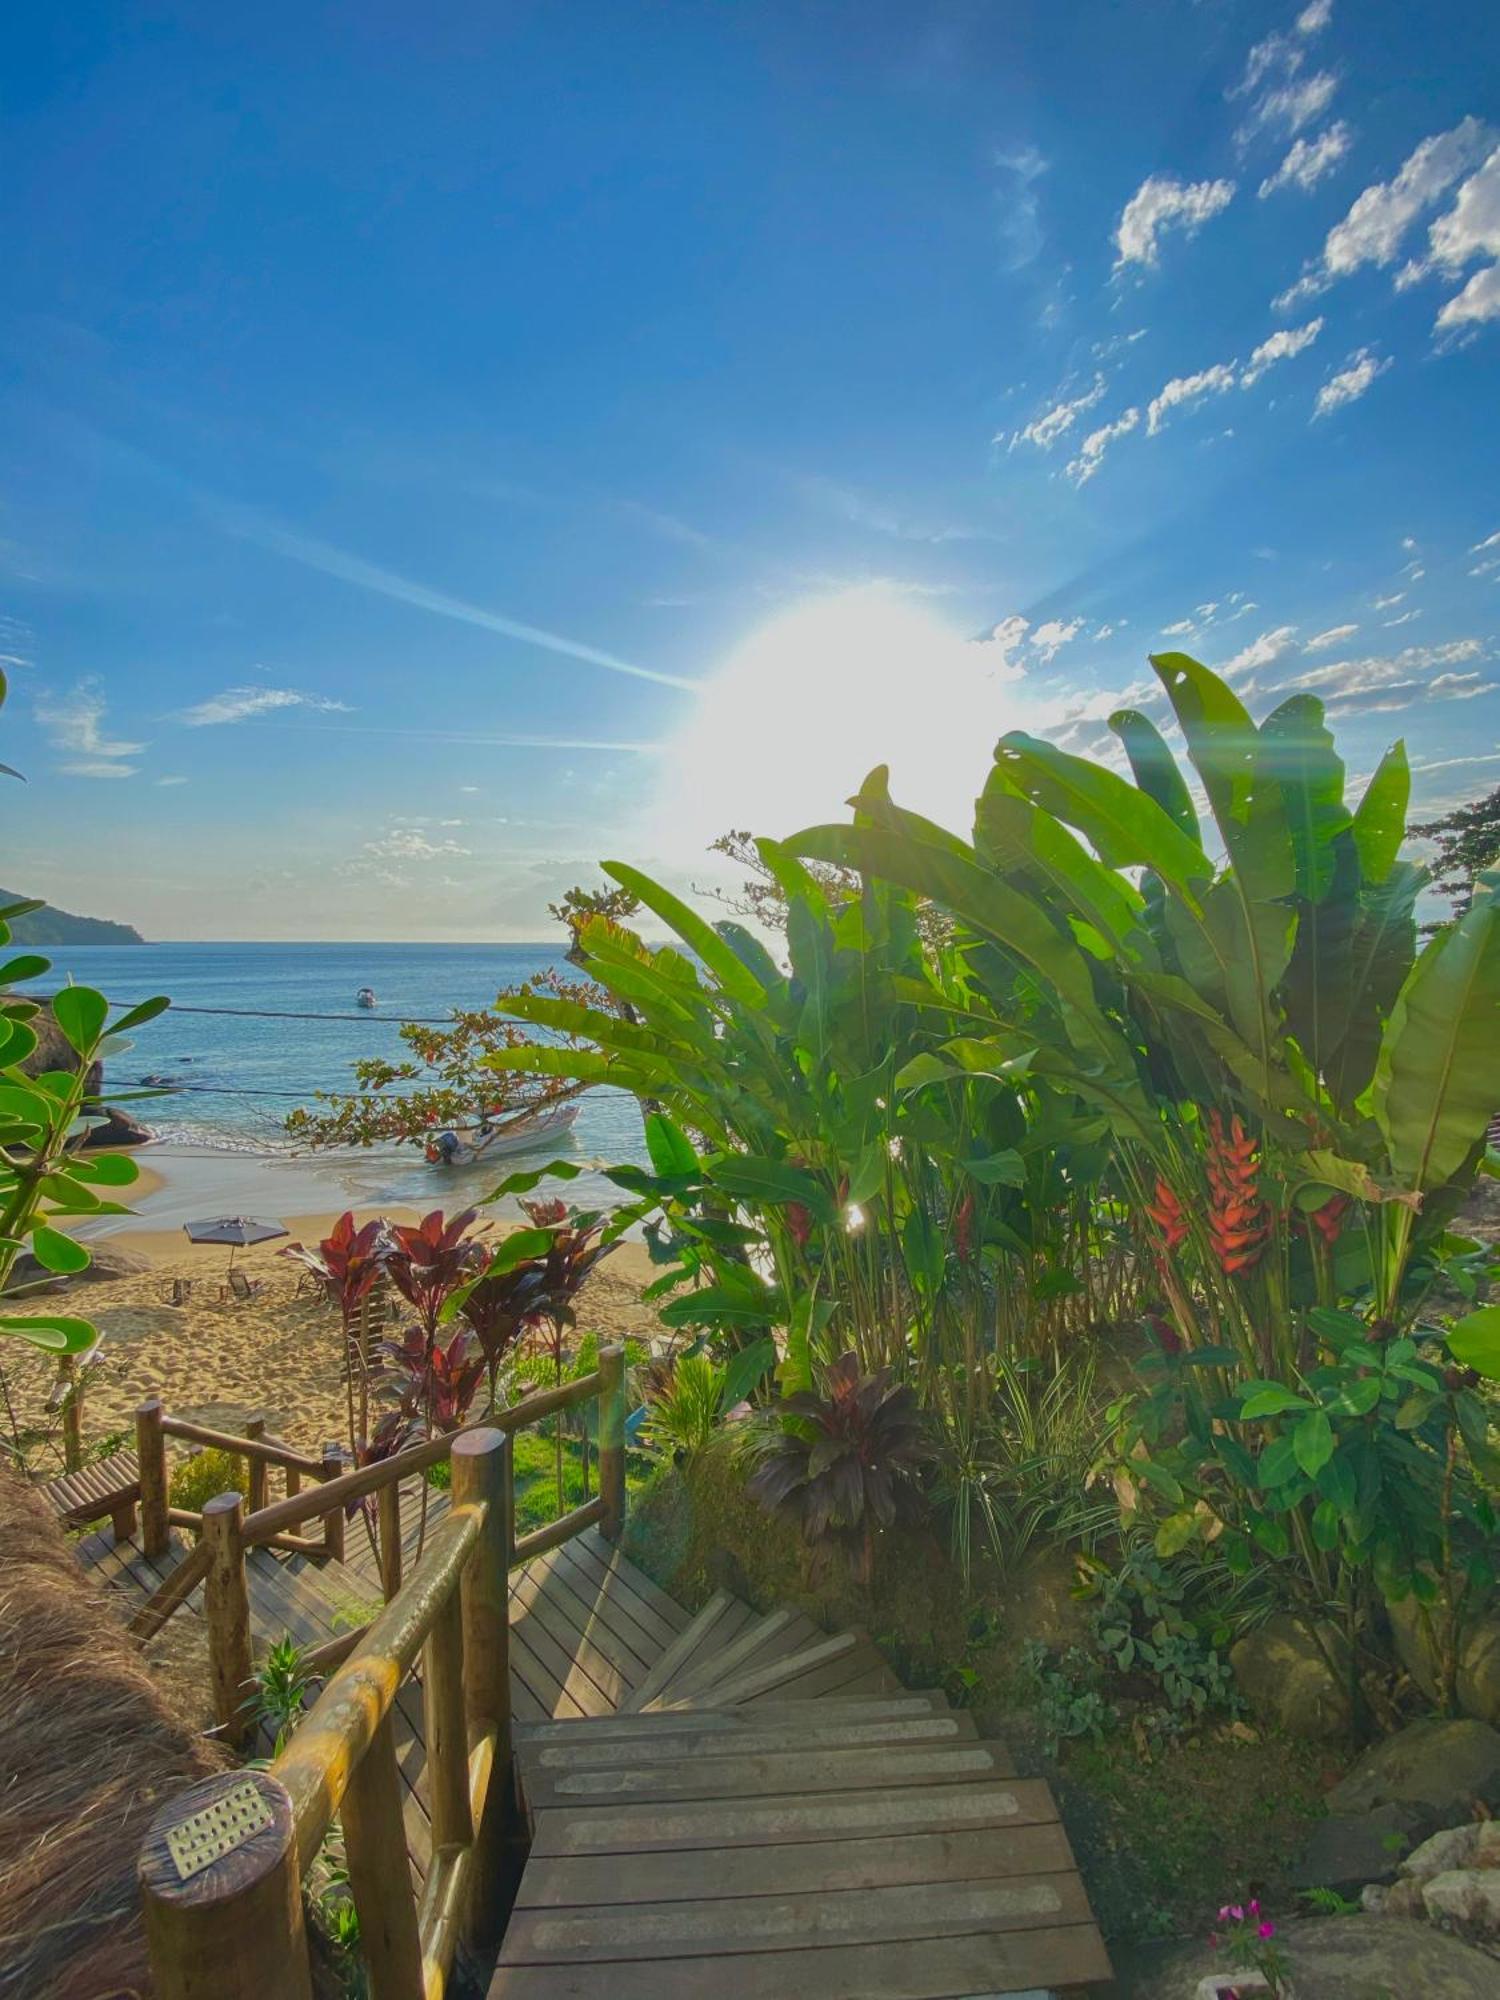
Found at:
[1170, 1063]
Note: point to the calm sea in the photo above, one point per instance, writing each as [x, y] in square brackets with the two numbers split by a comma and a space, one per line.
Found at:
[241, 1072]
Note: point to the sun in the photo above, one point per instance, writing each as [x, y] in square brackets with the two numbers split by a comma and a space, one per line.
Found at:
[784, 732]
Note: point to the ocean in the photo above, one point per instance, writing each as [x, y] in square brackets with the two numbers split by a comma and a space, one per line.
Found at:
[242, 1071]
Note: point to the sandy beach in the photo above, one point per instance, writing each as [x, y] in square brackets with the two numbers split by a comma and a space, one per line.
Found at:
[218, 1361]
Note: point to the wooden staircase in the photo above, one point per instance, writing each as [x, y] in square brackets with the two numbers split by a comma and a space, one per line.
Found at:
[770, 1814]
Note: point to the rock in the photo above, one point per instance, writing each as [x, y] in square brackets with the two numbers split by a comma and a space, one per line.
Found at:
[1283, 1674]
[1467, 1897]
[1452, 1848]
[103, 1265]
[1348, 1849]
[1477, 1687]
[1374, 1897]
[1404, 1899]
[1438, 1767]
[1487, 1844]
[1335, 1958]
[114, 1130]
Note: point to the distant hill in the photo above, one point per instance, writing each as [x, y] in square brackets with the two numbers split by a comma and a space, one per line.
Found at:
[52, 927]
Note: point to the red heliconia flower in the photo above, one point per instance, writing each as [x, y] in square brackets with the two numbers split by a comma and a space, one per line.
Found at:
[799, 1222]
[963, 1226]
[1329, 1219]
[1238, 1220]
[1168, 1213]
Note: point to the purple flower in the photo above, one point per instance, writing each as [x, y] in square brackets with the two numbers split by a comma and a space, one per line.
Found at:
[1267, 1930]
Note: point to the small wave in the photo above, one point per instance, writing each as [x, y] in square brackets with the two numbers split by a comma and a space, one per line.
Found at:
[217, 1139]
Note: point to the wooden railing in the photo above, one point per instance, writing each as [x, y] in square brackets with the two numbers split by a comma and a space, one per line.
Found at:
[230, 1531]
[234, 1928]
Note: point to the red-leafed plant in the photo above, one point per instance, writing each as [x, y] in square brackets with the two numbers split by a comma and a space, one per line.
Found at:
[437, 1381]
[843, 1463]
[576, 1248]
[500, 1309]
[348, 1264]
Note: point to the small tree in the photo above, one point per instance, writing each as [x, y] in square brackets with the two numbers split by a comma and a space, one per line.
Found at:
[1467, 842]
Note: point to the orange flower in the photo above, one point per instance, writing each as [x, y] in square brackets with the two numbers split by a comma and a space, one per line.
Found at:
[1168, 1213]
[1238, 1220]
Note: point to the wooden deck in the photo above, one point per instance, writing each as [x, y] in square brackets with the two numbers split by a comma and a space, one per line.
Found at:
[730, 1803]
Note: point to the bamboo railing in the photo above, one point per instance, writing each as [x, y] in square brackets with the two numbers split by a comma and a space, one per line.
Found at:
[234, 1929]
[230, 1531]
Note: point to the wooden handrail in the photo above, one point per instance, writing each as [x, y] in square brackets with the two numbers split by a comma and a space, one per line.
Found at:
[367, 1479]
[268, 1450]
[149, 1617]
[240, 1916]
[554, 1533]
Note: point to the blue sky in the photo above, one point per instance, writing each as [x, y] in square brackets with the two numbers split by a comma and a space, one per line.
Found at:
[440, 446]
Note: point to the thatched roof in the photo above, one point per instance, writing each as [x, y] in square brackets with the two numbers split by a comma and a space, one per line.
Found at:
[89, 1749]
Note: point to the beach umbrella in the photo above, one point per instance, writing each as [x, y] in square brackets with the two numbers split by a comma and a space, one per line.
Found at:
[238, 1231]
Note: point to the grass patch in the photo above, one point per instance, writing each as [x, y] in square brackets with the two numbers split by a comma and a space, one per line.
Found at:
[536, 1478]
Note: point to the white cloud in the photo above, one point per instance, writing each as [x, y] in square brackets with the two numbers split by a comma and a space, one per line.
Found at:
[1315, 17]
[1044, 431]
[171, 781]
[1008, 637]
[1181, 630]
[1309, 161]
[1279, 347]
[1188, 389]
[240, 704]
[1261, 652]
[1405, 618]
[1292, 105]
[1020, 224]
[1091, 451]
[1049, 639]
[1489, 542]
[1379, 682]
[74, 722]
[1371, 232]
[1162, 203]
[1334, 636]
[1351, 382]
[1478, 301]
[1104, 632]
[1385, 603]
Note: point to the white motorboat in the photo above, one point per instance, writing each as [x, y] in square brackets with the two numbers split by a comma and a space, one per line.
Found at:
[460, 1146]
[365, 997]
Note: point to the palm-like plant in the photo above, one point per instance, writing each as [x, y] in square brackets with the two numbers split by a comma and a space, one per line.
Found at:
[843, 1463]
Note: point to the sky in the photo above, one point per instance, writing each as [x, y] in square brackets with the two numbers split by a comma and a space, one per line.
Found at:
[442, 446]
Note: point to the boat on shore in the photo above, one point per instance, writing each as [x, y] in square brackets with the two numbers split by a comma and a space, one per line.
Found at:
[461, 1145]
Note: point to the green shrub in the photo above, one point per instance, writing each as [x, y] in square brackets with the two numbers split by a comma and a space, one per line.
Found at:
[206, 1473]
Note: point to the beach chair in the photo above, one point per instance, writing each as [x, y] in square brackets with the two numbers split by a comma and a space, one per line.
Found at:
[177, 1291]
[241, 1289]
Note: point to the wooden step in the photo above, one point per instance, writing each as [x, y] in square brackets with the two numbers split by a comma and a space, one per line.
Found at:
[763, 1638]
[758, 1680]
[714, 1624]
[583, 1749]
[741, 1775]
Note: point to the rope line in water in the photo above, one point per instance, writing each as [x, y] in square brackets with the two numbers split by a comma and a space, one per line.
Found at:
[282, 1014]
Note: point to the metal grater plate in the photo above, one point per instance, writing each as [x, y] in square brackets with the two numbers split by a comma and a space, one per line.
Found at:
[206, 1837]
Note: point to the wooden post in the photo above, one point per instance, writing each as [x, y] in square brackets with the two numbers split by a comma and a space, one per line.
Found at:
[379, 1872]
[612, 1440]
[259, 1471]
[226, 1605]
[293, 1480]
[447, 1729]
[388, 1534]
[233, 1931]
[482, 1474]
[333, 1520]
[71, 1383]
[151, 1457]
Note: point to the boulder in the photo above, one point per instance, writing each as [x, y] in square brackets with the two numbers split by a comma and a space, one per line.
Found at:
[1335, 1958]
[1486, 1845]
[1439, 1768]
[114, 1130]
[1283, 1673]
[1454, 1847]
[1467, 1898]
[104, 1264]
[1347, 1850]
[1477, 1687]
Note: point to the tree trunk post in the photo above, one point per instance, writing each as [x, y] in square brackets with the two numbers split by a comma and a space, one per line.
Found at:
[482, 1475]
[232, 1930]
[258, 1472]
[388, 1531]
[380, 1873]
[226, 1604]
[612, 1440]
[72, 1413]
[333, 1520]
[151, 1458]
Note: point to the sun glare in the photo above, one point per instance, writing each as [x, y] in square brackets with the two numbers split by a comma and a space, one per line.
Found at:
[786, 730]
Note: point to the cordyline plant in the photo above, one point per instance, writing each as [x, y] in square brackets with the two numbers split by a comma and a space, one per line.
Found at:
[348, 1264]
[842, 1463]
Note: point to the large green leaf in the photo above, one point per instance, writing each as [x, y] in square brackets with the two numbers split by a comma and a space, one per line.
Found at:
[1434, 1079]
[1380, 956]
[669, 1146]
[722, 961]
[1319, 981]
[1245, 797]
[56, 1333]
[1475, 1341]
[772, 1181]
[1380, 817]
[81, 1013]
[1297, 749]
[1156, 769]
[1126, 826]
[1016, 836]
